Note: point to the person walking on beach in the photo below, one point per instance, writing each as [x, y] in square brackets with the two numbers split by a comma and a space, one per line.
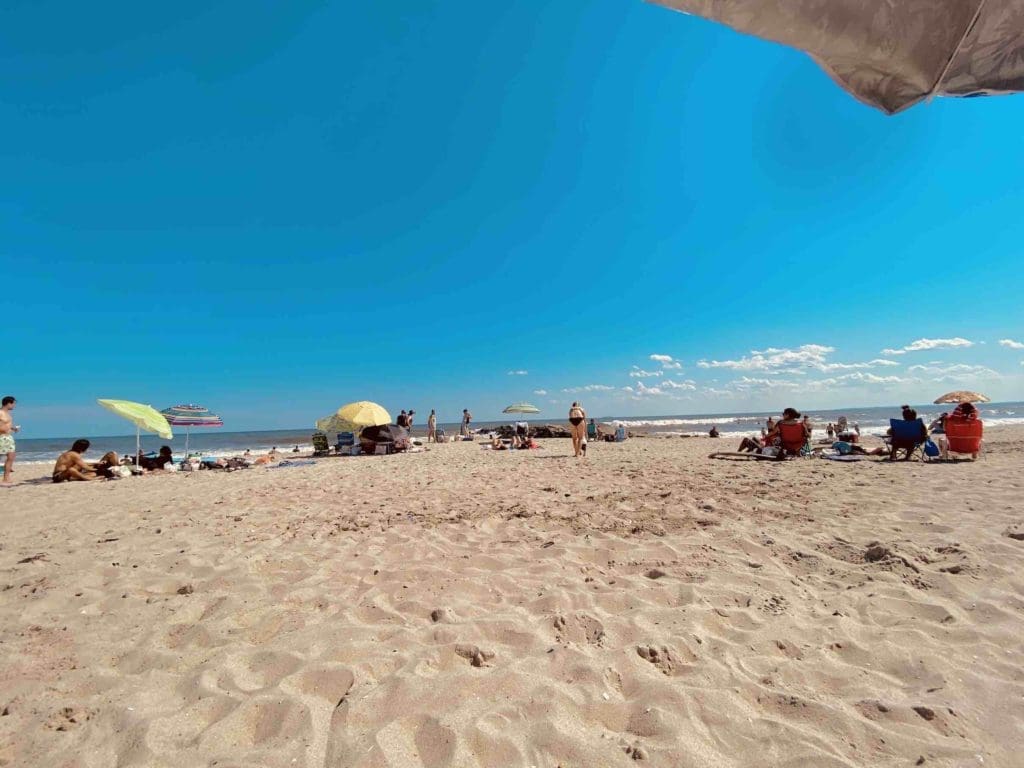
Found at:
[412, 413]
[7, 430]
[403, 419]
[577, 422]
[432, 426]
[467, 417]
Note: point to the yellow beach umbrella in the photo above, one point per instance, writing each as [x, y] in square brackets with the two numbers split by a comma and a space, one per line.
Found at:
[144, 417]
[355, 416]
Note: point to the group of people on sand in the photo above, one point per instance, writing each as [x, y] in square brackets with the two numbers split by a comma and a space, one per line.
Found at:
[406, 419]
[72, 466]
[921, 433]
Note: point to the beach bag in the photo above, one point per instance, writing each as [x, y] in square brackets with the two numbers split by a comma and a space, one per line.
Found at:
[931, 449]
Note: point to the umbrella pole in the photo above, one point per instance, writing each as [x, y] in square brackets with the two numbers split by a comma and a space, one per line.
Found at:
[186, 442]
[138, 444]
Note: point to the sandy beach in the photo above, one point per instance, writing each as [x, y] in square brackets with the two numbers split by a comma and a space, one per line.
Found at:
[467, 608]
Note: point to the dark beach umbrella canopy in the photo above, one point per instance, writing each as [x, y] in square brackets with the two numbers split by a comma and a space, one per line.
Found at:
[889, 54]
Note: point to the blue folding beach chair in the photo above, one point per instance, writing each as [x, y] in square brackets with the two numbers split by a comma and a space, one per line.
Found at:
[907, 435]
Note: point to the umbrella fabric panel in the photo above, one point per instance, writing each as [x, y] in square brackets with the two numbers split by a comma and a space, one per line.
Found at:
[962, 396]
[191, 416]
[142, 416]
[890, 54]
[521, 408]
[364, 414]
[334, 424]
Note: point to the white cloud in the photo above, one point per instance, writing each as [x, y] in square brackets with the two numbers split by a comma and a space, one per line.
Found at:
[640, 373]
[793, 361]
[588, 388]
[540, 392]
[829, 367]
[923, 344]
[667, 361]
[687, 384]
[956, 372]
[1011, 344]
[518, 373]
[747, 383]
[667, 388]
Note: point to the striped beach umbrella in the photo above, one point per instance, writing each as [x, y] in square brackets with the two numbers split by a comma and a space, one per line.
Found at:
[189, 416]
[521, 408]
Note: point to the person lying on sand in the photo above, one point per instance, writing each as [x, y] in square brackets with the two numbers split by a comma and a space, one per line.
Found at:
[497, 445]
[160, 461]
[70, 465]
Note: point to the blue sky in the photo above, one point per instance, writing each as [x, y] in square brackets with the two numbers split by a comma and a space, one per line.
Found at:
[276, 208]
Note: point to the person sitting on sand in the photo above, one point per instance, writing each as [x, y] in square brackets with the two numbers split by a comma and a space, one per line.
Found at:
[161, 460]
[70, 466]
[965, 411]
[497, 445]
[750, 445]
[772, 444]
[713, 432]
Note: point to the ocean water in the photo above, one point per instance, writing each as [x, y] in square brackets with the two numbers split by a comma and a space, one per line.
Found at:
[218, 442]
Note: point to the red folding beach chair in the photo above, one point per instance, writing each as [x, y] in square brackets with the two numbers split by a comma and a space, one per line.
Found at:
[793, 437]
[964, 435]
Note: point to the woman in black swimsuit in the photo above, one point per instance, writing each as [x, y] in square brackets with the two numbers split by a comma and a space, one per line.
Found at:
[577, 417]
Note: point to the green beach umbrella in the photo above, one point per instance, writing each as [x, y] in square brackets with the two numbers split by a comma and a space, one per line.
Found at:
[144, 417]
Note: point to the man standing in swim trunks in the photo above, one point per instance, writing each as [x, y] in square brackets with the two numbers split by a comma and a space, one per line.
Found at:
[7, 430]
[467, 417]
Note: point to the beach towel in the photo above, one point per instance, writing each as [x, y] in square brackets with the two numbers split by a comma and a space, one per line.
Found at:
[743, 455]
[303, 463]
